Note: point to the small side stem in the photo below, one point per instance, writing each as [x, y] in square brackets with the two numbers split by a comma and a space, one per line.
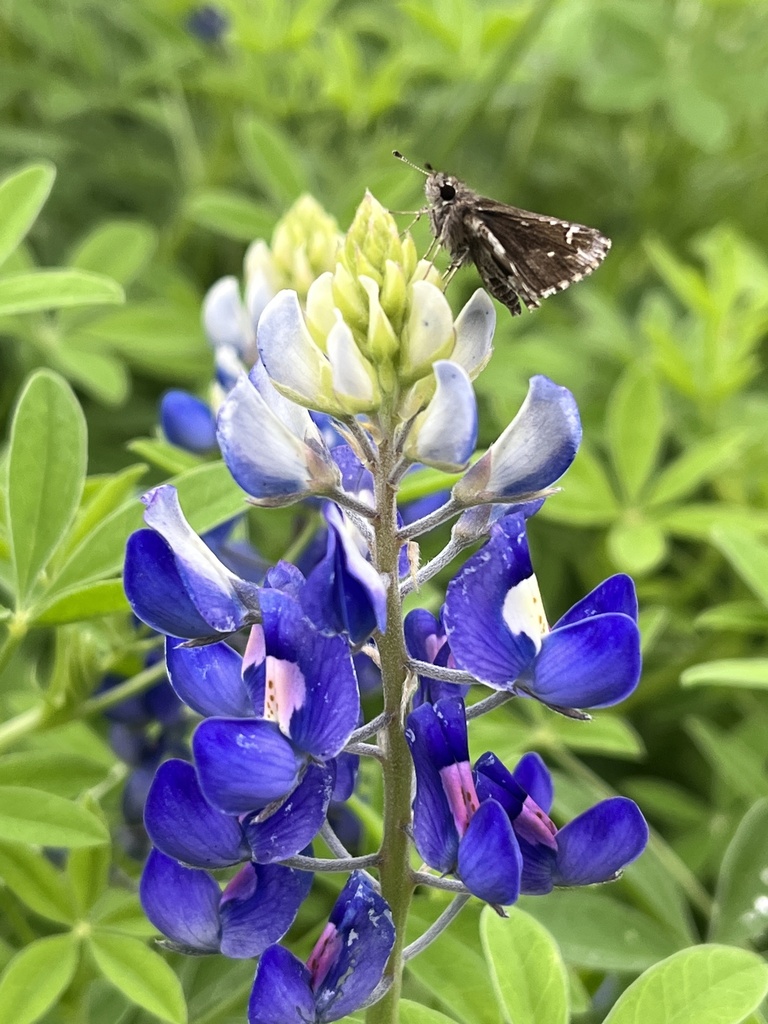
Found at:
[396, 883]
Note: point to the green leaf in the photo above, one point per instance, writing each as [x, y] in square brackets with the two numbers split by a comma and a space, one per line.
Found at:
[739, 767]
[734, 617]
[103, 494]
[742, 886]
[635, 428]
[56, 289]
[44, 819]
[748, 673]
[140, 974]
[46, 471]
[99, 374]
[88, 868]
[60, 772]
[120, 911]
[747, 555]
[701, 985]
[37, 883]
[598, 932]
[118, 248]
[94, 600]
[689, 285]
[695, 466]
[36, 977]
[528, 973]
[272, 158]
[636, 547]
[587, 498]
[698, 521]
[165, 456]
[231, 214]
[415, 1013]
[466, 993]
[22, 196]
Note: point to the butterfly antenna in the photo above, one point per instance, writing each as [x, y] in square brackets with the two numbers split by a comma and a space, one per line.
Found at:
[399, 155]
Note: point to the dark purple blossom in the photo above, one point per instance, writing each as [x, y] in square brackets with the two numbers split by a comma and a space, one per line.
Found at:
[342, 971]
[592, 848]
[256, 908]
[453, 831]
[498, 630]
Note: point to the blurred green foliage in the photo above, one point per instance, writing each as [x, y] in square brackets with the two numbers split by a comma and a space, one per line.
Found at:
[645, 118]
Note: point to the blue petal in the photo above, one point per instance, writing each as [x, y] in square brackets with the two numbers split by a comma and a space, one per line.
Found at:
[182, 903]
[155, 590]
[182, 824]
[346, 777]
[532, 453]
[288, 829]
[355, 478]
[489, 856]
[434, 830]
[591, 664]
[364, 922]
[224, 601]
[494, 781]
[258, 907]
[208, 679]
[538, 868]
[533, 775]
[616, 594]
[323, 724]
[445, 434]
[282, 992]
[595, 846]
[243, 764]
[425, 640]
[481, 641]
[188, 422]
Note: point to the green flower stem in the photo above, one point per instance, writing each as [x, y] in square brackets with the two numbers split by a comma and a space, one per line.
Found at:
[40, 717]
[396, 882]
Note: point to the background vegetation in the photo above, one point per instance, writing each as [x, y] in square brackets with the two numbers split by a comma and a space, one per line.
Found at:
[172, 147]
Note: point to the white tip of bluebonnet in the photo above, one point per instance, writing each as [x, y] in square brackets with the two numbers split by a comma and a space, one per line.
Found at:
[271, 446]
[534, 451]
[445, 434]
[474, 327]
[428, 330]
[224, 318]
[296, 365]
[353, 377]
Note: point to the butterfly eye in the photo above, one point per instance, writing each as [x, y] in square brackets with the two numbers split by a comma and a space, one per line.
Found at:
[447, 192]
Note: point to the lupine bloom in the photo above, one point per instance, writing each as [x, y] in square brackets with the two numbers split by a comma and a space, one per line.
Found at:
[268, 754]
[173, 580]
[532, 453]
[342, 971]
[498, 631]
[188, 422]
[256, 908]
[444, 435]
[426, 641]
[454, 832]
[592, 848]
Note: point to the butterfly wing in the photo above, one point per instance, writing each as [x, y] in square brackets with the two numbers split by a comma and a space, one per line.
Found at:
[528, 256]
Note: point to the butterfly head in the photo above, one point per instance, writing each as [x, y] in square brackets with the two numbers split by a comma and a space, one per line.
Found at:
[443, 189]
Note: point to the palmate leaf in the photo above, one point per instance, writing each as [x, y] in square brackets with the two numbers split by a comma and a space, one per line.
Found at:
[36, 977]
[22, 196]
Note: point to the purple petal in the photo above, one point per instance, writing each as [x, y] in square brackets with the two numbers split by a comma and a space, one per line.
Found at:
[289, 828]
[533, 775]
[346, 777]
[355, 478]
[182, 903]
[155, 590]
[481, 640]
[282, 993]
[616, 594]
[595, 846]
[363, 921]
[208, 679]
[494, 781]
[323, 723]
[343, 592]
[533, 452]
[223, 600]
[434, 830]
[243, 764]
[258, 907]
[591, 664]
[538, 868]
[182, 824]
[188, 422]
[489, 861]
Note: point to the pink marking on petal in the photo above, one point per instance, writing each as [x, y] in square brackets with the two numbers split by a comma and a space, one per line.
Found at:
[285, 691]
[535, 826]
[255, 649]
[324, 955]
[241, 886]
[459, 788]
